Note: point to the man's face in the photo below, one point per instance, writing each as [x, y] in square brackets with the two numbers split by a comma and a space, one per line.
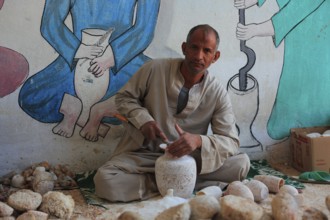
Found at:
[200, 52]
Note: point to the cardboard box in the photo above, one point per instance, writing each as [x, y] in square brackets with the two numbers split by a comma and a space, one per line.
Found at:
[310, 154]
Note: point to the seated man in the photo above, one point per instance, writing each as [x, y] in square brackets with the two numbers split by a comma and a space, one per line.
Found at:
[174, 101]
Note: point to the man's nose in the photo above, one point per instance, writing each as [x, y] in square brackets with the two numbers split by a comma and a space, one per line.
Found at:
[199, 54]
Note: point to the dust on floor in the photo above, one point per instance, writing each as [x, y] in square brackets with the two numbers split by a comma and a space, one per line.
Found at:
[313, 196]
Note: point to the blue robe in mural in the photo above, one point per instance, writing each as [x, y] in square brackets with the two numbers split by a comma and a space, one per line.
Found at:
[304, 89]
[134, 22]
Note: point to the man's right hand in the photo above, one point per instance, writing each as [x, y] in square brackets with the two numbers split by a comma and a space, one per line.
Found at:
[151, 131]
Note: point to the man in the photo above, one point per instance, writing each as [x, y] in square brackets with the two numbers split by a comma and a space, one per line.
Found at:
[174, 101]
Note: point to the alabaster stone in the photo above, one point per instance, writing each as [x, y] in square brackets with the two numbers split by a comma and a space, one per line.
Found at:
[178, 174]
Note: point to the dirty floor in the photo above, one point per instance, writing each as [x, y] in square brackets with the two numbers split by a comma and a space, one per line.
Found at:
[313, 196]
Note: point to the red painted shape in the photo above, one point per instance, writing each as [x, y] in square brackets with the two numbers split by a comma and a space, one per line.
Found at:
[1, 3]
[14, 69]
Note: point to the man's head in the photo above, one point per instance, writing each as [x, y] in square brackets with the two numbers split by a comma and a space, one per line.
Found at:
[207, 29]
[200, 48]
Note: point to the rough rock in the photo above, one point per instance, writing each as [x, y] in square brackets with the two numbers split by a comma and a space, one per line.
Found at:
[284, 206]
[57, 204]
[24, 200]
[33, 215]
[5, 210]
[238, 208]
[43, 182]
[313, 214]
[203, 207]
[179, 212]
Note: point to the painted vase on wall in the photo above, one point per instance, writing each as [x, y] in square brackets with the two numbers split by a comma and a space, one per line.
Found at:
[91, 89]
[178, 174]
[244, 119]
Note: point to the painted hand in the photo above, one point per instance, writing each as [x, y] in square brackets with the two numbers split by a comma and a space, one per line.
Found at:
[100, 65]
[243, 4]
[246, 32]
[88, 51]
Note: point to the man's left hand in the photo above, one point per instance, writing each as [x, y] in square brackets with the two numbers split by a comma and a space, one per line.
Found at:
[186, 143]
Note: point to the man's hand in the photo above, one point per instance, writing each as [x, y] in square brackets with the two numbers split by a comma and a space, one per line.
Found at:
[151, 131]
[186, 143]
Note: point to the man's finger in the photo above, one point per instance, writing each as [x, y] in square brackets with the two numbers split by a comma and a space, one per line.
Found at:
[179, 129]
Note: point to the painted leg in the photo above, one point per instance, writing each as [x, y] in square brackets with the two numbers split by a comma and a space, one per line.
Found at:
[94, 127]
[71, 109]
[91, 89]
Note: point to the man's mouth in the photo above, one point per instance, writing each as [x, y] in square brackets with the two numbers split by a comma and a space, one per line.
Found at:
[198, 65]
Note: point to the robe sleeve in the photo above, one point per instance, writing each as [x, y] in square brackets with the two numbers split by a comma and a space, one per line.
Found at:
[291, 13]
[139, 36]
[129, 99]
[56, 33]
[260, 2]
[224, 142]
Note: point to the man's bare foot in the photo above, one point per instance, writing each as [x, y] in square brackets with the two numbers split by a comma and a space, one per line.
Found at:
[70, 108]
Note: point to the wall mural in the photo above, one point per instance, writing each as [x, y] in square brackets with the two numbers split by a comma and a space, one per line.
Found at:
[96, 58]
[14, 68]
[107, 42]
[302, 96]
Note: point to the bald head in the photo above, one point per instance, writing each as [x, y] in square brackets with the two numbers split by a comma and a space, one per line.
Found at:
[207, 30]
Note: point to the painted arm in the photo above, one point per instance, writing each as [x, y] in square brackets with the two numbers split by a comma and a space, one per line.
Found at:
[139, 36]
[291, 13]
[56, 33]
[60, 37]
[246, 32]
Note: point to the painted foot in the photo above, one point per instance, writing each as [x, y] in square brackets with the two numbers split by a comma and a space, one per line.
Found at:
[70, 108]
[64, 129]
[91, 132]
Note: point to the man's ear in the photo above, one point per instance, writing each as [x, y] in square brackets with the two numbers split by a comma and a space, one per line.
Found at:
[183, 48]
[216, 56]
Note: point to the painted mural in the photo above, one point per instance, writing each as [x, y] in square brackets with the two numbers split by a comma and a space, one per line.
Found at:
[96, 58]
[302, 96]
[56, 92]
[14, 68]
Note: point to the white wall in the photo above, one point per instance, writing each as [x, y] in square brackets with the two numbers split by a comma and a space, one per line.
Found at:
[24, 141]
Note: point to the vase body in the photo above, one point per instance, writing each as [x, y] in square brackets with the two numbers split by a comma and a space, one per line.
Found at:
[245, 118]
[90, 89]
[178, 174]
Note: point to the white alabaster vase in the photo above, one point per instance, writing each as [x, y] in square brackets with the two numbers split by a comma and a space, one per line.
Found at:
[178, 174]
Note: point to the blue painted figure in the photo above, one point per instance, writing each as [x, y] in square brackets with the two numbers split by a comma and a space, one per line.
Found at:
[50, 95]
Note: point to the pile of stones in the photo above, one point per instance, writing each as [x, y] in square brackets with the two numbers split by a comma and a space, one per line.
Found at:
[30, 194]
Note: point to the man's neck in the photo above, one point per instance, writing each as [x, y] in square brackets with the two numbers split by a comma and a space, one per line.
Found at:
[190, 79]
